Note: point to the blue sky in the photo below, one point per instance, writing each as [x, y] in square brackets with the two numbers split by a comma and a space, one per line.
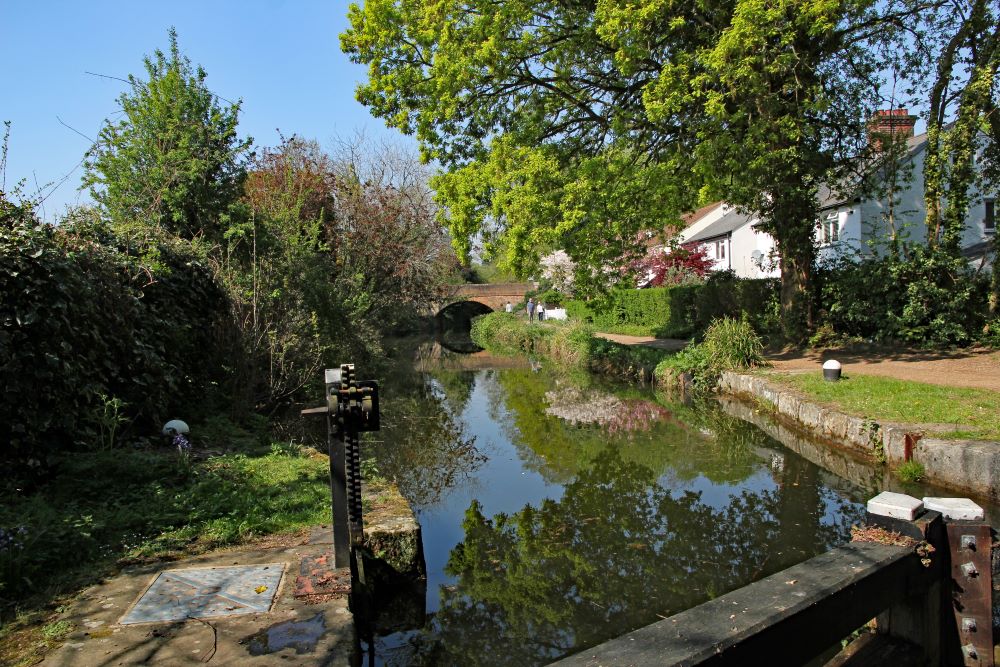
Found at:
[281, 57]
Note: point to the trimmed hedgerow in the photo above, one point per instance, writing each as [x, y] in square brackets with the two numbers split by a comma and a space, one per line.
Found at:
[681, 311]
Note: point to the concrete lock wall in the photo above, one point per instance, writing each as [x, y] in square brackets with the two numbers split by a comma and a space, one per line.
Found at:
[968, 466]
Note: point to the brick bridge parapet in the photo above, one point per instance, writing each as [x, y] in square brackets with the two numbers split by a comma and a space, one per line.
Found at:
[492, 295]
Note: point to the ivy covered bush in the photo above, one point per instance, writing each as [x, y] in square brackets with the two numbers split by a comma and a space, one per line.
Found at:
[927, 298]
[90, 334]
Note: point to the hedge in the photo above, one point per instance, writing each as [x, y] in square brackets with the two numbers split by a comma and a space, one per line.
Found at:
[84, 326]
[682, 311]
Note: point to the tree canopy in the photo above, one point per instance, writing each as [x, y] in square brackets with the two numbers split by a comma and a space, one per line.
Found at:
[175, 159]
[581, 124]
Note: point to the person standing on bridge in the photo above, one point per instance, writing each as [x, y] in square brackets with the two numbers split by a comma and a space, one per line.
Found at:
[509, 307]
[531, 309]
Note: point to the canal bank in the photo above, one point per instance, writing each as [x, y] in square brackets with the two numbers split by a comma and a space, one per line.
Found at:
[968, 467]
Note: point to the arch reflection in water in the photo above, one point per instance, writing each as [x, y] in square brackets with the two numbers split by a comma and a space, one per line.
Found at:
[453, 324]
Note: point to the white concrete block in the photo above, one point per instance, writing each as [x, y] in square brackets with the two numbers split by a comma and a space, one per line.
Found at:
[896, 505]
[955, 508]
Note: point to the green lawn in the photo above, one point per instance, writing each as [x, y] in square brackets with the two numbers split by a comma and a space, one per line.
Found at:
[972, 413]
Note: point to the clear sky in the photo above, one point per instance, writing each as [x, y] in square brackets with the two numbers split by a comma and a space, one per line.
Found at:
[282, 57]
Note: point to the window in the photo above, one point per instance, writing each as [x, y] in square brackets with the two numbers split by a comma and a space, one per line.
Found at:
[989, 217]
[720, 249]
[830, 228]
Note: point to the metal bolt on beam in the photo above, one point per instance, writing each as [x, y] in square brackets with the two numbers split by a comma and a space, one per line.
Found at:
[969, 569]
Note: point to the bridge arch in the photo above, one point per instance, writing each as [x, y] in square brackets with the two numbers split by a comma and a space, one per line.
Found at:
[493, 296]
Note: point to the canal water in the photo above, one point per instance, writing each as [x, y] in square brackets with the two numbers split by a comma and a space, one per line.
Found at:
[559, 511]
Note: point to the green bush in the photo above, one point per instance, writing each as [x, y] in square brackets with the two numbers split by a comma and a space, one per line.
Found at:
[925, 299]
[693, 360]
[570, 344]
[84, 326]
[733, 344]
[506, 333]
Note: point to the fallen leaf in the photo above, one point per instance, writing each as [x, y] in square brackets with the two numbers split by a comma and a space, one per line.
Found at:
[792, 581]
[260, 589]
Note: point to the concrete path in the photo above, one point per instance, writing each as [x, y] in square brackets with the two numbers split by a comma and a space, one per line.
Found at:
[307, 632]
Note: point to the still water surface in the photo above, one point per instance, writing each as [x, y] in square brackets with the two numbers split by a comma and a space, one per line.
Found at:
[558, 512]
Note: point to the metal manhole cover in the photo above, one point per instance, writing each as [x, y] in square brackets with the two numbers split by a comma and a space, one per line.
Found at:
[212, 591]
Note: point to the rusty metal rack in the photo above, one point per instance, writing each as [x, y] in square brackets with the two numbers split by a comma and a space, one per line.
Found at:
[351, 409]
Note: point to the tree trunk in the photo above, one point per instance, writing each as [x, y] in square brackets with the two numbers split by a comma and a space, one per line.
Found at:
[797, 254]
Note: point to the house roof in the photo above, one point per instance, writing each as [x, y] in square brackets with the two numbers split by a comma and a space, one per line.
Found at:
[658, 240]
[830, 199]
[700, 213]
[729, 222]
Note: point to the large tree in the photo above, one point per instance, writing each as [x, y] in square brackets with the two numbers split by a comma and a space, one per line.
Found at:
[584, 123]
[174, 160]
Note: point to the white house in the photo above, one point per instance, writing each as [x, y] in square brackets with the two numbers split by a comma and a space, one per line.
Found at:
[732, 241]
[849, 224]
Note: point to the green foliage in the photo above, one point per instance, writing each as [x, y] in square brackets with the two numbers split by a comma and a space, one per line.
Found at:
[925, 299]
[81, 320]
[911, 471]
[551, 298]
[507, 333]
[73, 526]
[693, 360]
[174, 159]
[733, 345]
[681, 311]
[109, 420]
[625, 113]
[729, 345]
[570, 344]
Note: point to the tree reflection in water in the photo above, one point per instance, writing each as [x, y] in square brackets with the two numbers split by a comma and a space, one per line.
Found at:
[627, 541]
[423, 446]
[617, 552]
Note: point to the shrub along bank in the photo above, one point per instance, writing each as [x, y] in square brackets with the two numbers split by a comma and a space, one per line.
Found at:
[92, 338]
[682, 311]
[571, 344]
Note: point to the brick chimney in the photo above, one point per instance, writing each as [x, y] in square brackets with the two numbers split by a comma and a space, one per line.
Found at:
[890, 123]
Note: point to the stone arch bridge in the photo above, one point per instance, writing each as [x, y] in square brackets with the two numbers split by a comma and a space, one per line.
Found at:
[492, 296]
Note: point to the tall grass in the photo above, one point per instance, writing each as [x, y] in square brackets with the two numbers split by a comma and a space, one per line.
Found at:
[733, 345]
[571, 344]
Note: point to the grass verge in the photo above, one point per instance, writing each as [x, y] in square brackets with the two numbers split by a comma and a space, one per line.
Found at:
[101, 510]
[970, 413]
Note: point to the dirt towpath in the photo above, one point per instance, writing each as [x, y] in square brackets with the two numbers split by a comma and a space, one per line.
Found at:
[672, 344]
[976, 368]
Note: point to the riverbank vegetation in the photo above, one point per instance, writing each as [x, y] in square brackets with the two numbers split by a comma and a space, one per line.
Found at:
[571, 344]
[207, 283]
